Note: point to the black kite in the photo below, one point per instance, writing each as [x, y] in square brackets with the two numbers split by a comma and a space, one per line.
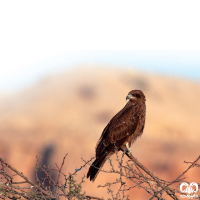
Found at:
[121, 131]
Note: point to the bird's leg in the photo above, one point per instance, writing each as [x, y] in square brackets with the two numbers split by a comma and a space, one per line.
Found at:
[128, 149]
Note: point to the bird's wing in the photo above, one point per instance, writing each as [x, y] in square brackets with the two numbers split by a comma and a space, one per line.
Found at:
[118, 128]
[103, 135]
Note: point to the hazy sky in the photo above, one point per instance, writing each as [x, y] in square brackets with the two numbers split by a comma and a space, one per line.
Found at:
[27, 67]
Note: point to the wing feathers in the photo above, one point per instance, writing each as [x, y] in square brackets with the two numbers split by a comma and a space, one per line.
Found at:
[122, 125]
[123, 130]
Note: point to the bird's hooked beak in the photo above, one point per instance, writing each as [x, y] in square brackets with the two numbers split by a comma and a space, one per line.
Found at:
[129, 96]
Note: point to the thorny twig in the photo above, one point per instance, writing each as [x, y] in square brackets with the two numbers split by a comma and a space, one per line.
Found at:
[27, 189]
[133, 171]
[26, 179]
[143, 178]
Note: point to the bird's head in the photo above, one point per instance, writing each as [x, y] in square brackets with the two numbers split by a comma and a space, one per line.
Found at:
[135, 95]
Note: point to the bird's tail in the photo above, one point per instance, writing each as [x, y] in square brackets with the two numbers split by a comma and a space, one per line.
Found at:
[95, 168]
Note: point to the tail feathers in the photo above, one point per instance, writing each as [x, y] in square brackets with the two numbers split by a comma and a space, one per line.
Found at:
[95, 168]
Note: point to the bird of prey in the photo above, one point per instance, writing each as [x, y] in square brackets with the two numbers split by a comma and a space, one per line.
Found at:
[121, 131]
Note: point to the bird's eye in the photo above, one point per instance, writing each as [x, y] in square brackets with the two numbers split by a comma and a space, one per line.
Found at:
[136, 95]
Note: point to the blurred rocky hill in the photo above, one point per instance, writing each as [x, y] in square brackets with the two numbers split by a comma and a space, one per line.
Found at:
[66, 113]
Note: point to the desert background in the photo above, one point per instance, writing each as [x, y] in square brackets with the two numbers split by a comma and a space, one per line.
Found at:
[66, 112]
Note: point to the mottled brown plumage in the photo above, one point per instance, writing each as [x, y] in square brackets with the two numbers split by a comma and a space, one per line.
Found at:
[121, 131]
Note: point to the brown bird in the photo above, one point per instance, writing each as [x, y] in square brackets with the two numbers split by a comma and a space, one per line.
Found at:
[121, 131]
